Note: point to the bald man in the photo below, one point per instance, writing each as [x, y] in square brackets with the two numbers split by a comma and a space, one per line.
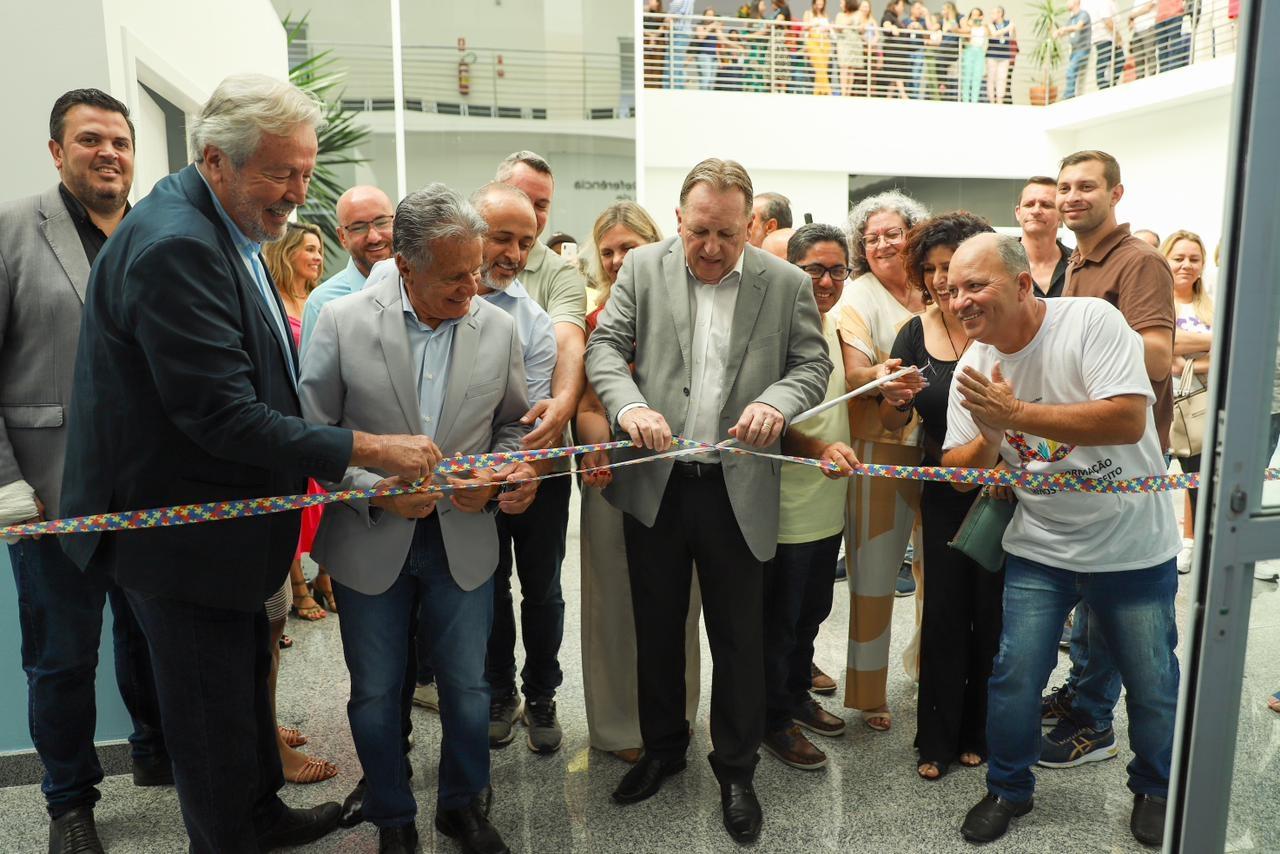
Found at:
[365, 217]
[775, 242]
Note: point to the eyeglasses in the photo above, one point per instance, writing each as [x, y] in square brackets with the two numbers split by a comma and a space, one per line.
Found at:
[892, 235]
[356, 229]
[838, 273]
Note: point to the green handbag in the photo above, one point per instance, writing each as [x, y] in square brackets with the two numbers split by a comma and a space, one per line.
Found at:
[981, 534]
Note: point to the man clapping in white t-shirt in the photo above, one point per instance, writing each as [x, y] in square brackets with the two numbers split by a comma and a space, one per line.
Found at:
[1058, 386]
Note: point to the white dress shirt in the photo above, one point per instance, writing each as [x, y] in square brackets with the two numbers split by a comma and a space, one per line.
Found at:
[713, 307]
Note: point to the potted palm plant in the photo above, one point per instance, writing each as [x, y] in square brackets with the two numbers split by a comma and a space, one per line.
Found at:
[1049, 53]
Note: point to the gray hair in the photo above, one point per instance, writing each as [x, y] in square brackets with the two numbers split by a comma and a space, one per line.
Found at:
[776, 206]
[532, 159]
[243, 108]
[433, 213]
[482, 198]
[894, 201]
[1013, 256]
[809, 235]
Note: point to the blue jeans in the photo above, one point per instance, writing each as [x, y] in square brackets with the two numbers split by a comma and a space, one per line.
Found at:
[1133, 611]
[1094, 681]
[1075, 67]
[60, 615]
[797, 598]
[375, 634]
[677, 57]
[1174, 50]
[916, 87]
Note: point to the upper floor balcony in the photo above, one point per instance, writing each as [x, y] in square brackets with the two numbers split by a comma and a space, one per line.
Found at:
[930, 60]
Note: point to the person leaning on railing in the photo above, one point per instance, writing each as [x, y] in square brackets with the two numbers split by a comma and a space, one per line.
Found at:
[656, 31]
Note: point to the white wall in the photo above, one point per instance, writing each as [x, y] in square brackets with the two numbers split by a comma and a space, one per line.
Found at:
[182, 53]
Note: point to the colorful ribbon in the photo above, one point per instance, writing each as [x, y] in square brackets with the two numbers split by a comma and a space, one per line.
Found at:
[190, 514]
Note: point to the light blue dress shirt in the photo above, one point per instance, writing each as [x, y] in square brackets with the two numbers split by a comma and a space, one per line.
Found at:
[249, 254]
[347, 281]
[430, 351]
[537, 336]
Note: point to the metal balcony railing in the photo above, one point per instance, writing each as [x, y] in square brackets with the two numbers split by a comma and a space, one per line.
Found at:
[487, 82]
[936, 61]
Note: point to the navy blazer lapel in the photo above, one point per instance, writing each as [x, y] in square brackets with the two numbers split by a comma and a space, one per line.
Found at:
[60, 232]
[462, 362]
[395, 351]
[676, 281]
[746, 310]
[201, 197]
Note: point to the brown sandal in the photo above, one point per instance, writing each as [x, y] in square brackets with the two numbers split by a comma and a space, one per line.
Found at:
[313, 771]
[291, 736]
[301, 596]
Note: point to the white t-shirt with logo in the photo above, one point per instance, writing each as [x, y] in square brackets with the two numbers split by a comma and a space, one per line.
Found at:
[1083, 351]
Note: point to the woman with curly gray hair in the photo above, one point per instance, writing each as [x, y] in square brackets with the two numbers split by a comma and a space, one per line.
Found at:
[881, 512]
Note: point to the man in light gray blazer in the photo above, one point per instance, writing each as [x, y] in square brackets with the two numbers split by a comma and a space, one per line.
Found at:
[418, 353]
[711, 339]
[47, 244]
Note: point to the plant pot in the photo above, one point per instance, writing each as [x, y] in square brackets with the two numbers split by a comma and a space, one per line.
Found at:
[1043, 95]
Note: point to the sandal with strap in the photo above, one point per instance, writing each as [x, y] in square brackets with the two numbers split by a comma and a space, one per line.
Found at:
[291, 736]
[871, 716]
[324, 597]
[300, 608]
[313, 771]
[970, 763]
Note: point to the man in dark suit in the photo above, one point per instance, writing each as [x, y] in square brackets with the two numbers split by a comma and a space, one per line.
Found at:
[726, 342]
[47, 243]
[186, 391]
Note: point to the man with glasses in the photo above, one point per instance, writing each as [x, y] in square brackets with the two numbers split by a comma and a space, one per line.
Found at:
[797, 581]
[365, 217]
[1058, 387]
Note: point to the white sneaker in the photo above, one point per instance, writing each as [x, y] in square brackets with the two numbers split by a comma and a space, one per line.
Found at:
[427, 696]
[1184, 556]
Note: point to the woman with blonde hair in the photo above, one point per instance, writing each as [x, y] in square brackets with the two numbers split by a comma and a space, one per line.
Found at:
[296, 264]
[608, 623]
[1184, 250]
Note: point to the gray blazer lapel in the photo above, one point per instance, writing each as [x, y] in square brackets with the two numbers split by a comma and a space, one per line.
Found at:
[395, 350]
[64, 240]
[462, 361]
[676, 278]
[746, 309]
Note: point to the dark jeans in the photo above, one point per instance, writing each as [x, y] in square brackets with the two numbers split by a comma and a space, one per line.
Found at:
[60, 615]
[696, 526]
[375, 629]
[959, 634]
[537, 537]
[1109, 66]
[1133, 611]
[1173, 49]
[1094, 681]
[211, 668]
[797, 597]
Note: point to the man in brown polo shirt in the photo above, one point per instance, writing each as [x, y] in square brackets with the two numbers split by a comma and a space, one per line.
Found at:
[1111, 264]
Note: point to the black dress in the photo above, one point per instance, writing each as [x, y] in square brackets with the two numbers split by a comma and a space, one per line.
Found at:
[960, 628]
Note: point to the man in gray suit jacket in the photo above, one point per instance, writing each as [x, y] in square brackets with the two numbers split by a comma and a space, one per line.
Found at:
[725, 341]
[47, 243]
[456, 369]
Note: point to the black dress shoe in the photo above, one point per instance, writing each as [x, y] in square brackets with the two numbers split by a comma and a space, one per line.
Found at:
[398, 840]
[1147, 820]
[353, 807]
[298, 827]
[645, 779]
[742, 816]
[989, 820]
[74, 832]
[153, 772]
[471, 828]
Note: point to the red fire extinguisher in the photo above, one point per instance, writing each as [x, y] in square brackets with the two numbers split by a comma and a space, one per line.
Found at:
[464, 73]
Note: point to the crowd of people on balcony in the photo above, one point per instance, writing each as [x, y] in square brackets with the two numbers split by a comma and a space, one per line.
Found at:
[908, 51]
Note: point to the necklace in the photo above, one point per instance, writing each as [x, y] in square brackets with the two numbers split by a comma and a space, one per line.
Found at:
[950, 340]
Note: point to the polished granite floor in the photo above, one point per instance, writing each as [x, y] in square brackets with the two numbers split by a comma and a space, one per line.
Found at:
[867, 799]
